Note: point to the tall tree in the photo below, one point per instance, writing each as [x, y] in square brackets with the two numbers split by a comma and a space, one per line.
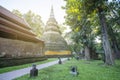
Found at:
[99, 7]
[113, 20]
[78, 9]
[33, 20]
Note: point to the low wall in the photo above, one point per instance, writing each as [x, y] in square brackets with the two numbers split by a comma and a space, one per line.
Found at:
[56, 56]
[5, 62]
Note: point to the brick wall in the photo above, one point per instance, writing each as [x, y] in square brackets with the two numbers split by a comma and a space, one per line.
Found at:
[16, 52]
[15, 48]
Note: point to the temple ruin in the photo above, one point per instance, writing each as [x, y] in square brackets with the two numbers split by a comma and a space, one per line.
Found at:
[17, 41]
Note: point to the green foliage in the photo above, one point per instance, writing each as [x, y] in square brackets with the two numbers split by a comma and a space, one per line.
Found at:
[88, 70]
[84, 27]
[113, 20]
[33, 20]
[62, 28]
[16, 12]
[83, 17]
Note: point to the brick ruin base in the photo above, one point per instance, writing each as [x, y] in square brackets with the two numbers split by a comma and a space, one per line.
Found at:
[16, 52]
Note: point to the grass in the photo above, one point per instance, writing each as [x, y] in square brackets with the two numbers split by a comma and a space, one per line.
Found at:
[7, 69]
[88, 70]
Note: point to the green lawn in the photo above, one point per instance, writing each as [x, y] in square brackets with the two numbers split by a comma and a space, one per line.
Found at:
[7, 69]
[88, 70]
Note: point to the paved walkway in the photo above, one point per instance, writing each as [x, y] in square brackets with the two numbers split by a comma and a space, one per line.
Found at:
[17, 73]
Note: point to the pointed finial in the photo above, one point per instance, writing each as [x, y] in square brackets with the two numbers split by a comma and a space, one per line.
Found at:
[52, 12]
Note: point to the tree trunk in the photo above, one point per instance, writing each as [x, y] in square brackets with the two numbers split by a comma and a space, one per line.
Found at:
[114, 43]
[109, 60]
[87, 53]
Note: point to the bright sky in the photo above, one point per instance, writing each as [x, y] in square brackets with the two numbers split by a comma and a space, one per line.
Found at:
[40, 7]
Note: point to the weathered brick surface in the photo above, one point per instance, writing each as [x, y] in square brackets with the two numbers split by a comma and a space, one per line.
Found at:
[16, 52]
[15, 48]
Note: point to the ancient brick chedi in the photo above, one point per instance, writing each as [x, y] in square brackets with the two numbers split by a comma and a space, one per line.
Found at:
[52, 37]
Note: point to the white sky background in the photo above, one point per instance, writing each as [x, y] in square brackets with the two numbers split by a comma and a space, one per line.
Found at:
[40, 7]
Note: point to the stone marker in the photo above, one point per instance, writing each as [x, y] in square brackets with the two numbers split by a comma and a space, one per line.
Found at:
[74, 71]
[60, 62]
[33, 71]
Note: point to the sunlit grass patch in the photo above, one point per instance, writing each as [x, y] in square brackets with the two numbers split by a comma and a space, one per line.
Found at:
[88, 70]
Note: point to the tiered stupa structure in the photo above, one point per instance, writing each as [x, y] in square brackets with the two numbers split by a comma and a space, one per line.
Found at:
[52, 36]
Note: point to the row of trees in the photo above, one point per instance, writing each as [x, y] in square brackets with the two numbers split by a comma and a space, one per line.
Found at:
[93, 19]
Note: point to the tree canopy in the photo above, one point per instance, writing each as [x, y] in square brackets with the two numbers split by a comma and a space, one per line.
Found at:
[33, 20]
[90, 19]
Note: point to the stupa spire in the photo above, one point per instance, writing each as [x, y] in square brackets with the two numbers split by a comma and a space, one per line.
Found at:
[52, 12]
